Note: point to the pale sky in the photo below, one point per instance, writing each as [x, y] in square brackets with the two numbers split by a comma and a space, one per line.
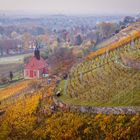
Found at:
[73, 6]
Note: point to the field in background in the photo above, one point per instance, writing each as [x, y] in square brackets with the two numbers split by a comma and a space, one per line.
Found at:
[6, 68]
[13, 59]
[14, 64]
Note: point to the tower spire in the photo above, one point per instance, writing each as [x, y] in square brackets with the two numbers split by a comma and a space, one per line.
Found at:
[37, 52]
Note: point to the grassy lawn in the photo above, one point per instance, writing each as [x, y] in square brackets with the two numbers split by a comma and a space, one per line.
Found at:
[120, 99]
[6, 68]
[14, 59]
[4, 73]
[17, 58]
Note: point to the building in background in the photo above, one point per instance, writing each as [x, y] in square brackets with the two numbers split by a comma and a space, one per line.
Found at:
[36, 68]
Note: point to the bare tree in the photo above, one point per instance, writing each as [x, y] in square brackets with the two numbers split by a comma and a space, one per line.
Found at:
[61, 61]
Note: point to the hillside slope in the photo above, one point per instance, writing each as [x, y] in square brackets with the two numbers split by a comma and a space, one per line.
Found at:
[124, 32]
[103, 79]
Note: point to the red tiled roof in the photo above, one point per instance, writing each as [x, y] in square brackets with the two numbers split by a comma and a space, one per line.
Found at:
[36, 64]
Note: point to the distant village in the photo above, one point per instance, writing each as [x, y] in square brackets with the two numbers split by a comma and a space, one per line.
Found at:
[58, 31]
[41, 46]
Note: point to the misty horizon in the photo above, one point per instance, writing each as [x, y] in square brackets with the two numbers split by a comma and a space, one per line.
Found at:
[73, 7]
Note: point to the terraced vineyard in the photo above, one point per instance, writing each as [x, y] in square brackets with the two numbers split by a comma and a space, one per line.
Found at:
[133, 55]
[104, 80]
[12, 90]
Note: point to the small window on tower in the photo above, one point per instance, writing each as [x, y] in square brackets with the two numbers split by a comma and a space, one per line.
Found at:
[26, 73]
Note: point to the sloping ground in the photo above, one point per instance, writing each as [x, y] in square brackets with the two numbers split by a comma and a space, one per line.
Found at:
[31, 118]
[130, 39]
[110, 85]
[135, 55]
[13, 89]
[123, 33]
[104, 80]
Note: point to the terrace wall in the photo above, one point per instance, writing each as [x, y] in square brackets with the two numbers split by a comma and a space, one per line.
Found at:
[130, 62]
[96, 110]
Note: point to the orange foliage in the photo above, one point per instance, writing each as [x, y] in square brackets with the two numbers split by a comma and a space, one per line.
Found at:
[123, 41]
[13, 89]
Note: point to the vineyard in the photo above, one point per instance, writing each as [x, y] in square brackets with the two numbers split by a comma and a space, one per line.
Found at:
[13, 89]
[105, 80]
[31, 118]
[127, 32]
[102, 80]
[19, 118]
[133, 55]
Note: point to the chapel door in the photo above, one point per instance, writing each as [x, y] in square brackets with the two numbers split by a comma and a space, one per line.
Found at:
[31, 73]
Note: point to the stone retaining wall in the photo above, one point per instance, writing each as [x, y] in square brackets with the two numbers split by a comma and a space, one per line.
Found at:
[96, 110]
[130, 62]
